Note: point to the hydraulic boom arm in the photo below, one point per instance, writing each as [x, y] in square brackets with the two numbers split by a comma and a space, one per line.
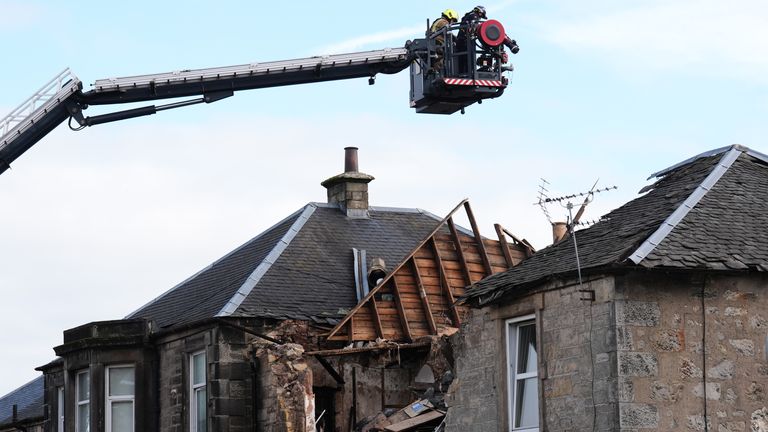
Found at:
[445, 78]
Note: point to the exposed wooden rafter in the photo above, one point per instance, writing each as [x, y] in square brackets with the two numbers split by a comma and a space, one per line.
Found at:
[421, 290]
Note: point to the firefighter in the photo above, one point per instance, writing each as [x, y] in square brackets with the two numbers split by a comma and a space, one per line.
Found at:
[468, 24]
[449, 16]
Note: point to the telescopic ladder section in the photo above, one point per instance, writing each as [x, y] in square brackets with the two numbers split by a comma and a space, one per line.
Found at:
[36, 117]
[248, 76]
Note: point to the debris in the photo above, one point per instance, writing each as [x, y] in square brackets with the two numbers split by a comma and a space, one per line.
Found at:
[417, 408]
[416, 421]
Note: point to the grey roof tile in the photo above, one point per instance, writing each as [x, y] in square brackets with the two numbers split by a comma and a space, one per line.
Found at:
[205, 294]
[728, 225]
[311, 277]
[314, 277]
[723, 229]
[28, 399]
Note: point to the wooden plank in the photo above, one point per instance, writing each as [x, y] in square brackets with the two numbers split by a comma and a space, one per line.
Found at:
[446, 286]
[351, 329]
[424, 298]
[476, 268]
[478, 238]
[376, 318]
[401, 311]
[459, 251]
[413, 422]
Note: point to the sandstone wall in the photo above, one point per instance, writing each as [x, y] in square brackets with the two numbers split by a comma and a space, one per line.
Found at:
[690, 345]
[576, 353]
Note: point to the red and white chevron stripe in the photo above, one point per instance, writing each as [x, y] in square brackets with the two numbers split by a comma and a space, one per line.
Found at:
[471, 82]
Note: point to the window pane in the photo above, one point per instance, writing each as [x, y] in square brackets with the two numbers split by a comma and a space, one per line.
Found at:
[83, 418]
[198, 368]
[121, 381]
[526, 349]
[83, 386]
[201, 412]
[122, 416]
[60, 409]
[527, 403]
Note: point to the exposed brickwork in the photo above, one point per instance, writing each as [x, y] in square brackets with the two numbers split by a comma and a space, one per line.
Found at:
[285, 384]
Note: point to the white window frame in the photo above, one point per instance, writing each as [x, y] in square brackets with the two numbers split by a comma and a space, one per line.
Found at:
[513, 377]
[60, 409]
[194, 388]
[78, 402]
[123, 398]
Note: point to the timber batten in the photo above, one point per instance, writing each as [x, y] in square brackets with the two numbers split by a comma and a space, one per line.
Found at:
[417, 298]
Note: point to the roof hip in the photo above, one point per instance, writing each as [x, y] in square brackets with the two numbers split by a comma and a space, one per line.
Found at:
[680, 212]
[237, 299]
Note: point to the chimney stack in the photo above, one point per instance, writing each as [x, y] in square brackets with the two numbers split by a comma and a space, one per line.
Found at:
[349, 190]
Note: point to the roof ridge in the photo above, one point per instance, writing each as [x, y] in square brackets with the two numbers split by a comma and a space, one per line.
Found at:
[209, 266]
[250, 282]
[733, 152]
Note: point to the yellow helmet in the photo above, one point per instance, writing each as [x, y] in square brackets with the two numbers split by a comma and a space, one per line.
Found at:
[451, 15]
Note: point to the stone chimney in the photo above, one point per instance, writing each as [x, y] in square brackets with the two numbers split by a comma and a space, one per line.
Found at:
[349, 190]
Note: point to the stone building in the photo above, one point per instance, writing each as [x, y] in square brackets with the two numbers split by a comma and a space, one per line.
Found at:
[244, 344]
[662, 324]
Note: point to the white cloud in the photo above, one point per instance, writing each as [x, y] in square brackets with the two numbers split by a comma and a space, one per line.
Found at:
[366, 41]
[17, 15]
[396, 36]
[705, 37]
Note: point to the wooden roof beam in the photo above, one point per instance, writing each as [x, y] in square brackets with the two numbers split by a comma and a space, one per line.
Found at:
[446, 287]
[460, 252]
[504, 245]
[376, 318]
[478, 239]
[424, 298]
[529, 249]
[401, 311]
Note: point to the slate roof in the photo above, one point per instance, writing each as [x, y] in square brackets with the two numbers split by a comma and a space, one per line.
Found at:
[301, 268]
[28, 399]
[708, 212]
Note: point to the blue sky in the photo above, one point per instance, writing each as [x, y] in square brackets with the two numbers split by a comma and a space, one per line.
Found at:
[96, 223]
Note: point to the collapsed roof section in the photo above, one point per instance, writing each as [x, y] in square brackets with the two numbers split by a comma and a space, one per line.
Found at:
[417, 298]
[708, 213]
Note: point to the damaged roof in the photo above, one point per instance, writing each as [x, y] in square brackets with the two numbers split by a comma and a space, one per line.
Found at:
[708, 212]
[301, 268]
[28, 400]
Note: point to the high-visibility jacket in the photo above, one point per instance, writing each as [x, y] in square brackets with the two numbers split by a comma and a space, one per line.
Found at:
[436, 26]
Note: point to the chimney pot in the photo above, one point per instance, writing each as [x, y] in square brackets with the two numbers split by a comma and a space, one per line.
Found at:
[350, 159]
[559, 231]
